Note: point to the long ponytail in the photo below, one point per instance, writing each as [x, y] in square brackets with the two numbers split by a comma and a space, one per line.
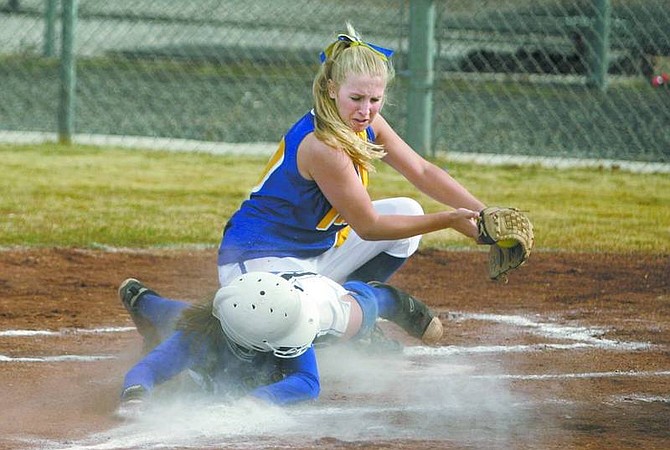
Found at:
[341, 59]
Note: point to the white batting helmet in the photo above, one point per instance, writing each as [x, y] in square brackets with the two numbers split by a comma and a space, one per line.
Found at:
[264, 312]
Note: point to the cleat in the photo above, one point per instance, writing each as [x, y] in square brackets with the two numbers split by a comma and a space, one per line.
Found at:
[433, 332]
[130, 292]
[377, 342]
[414, 316]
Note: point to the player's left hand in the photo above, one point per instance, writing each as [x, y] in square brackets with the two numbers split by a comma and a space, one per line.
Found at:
[130, 410]
[133, 403]
[510, 234]
[465, 222]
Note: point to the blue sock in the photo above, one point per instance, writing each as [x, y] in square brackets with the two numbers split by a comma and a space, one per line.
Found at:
[161, 312]
[387, 303]
[375, 302]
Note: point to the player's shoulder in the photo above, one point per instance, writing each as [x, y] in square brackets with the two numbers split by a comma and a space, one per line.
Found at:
[304, 125]
[380, 126]
[314, 151]
[378, 122]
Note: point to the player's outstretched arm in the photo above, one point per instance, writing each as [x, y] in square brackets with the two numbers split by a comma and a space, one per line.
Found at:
[300, 385]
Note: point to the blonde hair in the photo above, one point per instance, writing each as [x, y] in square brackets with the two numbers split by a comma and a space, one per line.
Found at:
[344, 59]
[199, 318]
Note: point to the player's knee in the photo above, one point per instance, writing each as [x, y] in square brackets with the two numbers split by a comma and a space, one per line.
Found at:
[364, 295]
[410, 206]
[404, 248]
[398, 205]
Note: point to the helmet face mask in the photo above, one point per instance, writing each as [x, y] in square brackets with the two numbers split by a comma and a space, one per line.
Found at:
[264, 312]
[243, 353]
[289, 352]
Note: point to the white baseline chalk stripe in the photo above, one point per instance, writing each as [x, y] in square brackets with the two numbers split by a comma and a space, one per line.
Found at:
[59, 358]
[638, 398]
[408, 351]
[64, 332]
[552, 330]
[588, 375]
[452, 350]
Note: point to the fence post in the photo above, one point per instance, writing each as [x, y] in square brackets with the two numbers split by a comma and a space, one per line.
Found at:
[598, 45]
[421, 66]
[67, 73]
[49, 28]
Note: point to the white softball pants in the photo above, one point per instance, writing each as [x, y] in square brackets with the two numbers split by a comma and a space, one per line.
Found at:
[338, 262]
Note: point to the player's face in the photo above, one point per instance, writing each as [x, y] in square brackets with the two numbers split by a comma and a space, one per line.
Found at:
[359, 99]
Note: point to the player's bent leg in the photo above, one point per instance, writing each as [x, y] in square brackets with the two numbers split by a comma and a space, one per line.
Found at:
[131, 292]
[365, 260]
[355, 318]
[372, 306]
[153, 316]
[366, 301]
[379, 268]
[410, 314]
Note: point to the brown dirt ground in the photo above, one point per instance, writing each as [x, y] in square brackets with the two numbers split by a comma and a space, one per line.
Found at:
[629, 295]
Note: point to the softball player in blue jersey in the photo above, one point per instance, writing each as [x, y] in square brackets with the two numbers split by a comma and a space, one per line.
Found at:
[255, 338]
[311, 210]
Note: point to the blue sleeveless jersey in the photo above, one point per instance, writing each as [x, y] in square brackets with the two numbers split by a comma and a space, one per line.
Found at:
[285, 214]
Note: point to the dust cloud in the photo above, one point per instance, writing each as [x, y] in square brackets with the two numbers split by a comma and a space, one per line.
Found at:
[366, 397]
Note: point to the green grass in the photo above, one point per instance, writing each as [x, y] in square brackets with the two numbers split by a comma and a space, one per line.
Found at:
[78, 196]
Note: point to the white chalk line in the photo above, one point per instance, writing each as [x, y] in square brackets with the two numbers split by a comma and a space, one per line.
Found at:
[58, 358]
[638, 398]
[60, 333]
[587, 335]
[577, 337]
[585, 338]
[65, 331]
[585, 375]
[453, 350]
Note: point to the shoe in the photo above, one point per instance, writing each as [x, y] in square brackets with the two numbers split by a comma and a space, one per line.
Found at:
[414, 316]
[131, 291]
[433, 332]
[377, 342]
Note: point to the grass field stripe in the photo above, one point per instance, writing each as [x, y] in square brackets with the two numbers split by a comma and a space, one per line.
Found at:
[267, 148]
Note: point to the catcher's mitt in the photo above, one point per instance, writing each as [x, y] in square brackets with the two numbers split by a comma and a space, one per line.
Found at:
[509, 232]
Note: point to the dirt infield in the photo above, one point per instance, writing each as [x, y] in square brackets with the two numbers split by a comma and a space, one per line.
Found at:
[574, 352]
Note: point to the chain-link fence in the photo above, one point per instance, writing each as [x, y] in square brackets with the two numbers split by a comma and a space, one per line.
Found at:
[512, 77]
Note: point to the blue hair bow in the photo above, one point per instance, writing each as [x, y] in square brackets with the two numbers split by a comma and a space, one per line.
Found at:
[384, 53]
